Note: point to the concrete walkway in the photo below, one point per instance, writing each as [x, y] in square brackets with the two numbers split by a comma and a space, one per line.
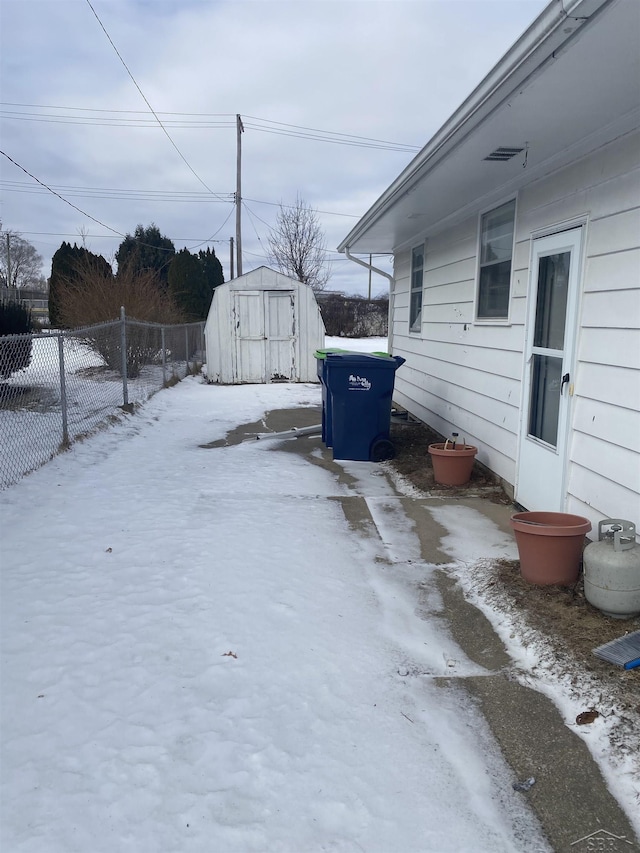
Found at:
[570, 798]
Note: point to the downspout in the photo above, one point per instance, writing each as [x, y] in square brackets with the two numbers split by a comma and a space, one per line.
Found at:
[387, 275]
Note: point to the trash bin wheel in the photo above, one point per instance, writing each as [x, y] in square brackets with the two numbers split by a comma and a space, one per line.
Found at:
[381, 450]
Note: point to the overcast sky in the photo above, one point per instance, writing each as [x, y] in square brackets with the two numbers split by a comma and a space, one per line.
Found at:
[315, 81]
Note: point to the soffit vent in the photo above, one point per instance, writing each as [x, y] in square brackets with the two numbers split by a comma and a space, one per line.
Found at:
[502, 154]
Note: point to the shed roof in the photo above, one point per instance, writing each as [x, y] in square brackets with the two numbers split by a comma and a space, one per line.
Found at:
[265, 278]
[569, 85]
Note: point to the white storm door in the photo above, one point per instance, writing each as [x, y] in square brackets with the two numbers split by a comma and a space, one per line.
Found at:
[250, 337]
[281, 366]
[548, 383]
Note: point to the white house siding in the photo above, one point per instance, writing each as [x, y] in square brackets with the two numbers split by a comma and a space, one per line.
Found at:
[465, 377]
[459, 376]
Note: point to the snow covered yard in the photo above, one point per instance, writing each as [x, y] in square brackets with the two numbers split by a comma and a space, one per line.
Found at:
[31, 419]
[199, 653]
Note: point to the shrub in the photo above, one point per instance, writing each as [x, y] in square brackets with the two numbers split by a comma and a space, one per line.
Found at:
[15, 354]
[94, 295]
[352, 316]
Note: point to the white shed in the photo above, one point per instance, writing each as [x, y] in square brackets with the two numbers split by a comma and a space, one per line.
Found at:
[263, 327]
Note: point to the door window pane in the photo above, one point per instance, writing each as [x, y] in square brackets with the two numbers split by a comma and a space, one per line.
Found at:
[551, 303]
[544, 405]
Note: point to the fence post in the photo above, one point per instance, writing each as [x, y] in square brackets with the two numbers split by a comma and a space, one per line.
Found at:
[63, 392]
[123, 353]
[203, 345]
[186, 347]
[164, 357]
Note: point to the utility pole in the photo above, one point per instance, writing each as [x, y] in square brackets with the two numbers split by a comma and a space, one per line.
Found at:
[230, 258]
[8, 260]
[369, 278]
[239, 132]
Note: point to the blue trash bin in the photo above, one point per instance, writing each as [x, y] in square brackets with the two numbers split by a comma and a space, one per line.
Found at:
[321, 365]
[360, 390]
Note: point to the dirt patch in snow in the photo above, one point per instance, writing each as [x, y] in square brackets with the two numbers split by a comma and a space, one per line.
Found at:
[557, 620]
[411, 440]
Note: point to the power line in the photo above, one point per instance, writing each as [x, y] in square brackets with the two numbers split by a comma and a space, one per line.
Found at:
[211, 240]
[293, 207]
[84, 213]
[135, 83]
[199, 240]
[333, 138]
[93, 218]
[153, 195]
[122, 194]
[252, 213]
[102, 110]
[255, 123]
[333, 132]
[145, 124]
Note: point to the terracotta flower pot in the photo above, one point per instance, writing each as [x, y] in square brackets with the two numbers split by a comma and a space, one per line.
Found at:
[550, 546]
[452, 466]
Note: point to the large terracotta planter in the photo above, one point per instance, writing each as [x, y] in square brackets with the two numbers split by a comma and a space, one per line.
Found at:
[452, 466]
[550, 546]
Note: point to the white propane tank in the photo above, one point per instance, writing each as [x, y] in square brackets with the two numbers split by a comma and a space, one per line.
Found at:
[612, 569]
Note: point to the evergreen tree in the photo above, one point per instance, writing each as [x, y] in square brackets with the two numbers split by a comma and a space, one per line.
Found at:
[61, 269]
[192, 280]
[212, 268]
[186, 283]
[147, 250]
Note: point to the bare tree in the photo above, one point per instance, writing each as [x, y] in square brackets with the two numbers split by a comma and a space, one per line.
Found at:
[297, 245]
[83, 232]
[20, 263]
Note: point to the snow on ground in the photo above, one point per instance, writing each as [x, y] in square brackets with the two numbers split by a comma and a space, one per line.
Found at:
[198, 653]
[32, 431]
[613, 748]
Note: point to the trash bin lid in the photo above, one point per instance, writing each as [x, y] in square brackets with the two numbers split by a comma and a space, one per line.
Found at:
[365, 359]
[323, 353]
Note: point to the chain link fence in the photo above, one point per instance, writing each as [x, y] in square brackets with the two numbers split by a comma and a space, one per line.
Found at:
[58, 387]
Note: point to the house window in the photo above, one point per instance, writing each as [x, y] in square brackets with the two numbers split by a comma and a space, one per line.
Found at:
[415, 304]
[496, 249]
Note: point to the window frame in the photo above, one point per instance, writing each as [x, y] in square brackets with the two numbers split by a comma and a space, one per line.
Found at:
[497, 319]
[415, 325]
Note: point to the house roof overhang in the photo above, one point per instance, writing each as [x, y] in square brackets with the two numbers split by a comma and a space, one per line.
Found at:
[569, 85]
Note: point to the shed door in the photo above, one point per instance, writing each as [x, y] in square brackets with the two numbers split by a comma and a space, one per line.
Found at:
[548, 383]
[281, 366]
[250, 337]
[264, 336]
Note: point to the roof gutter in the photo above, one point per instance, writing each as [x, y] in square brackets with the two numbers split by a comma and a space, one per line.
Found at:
[516, 65]
[367, 266]
[391, 279]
